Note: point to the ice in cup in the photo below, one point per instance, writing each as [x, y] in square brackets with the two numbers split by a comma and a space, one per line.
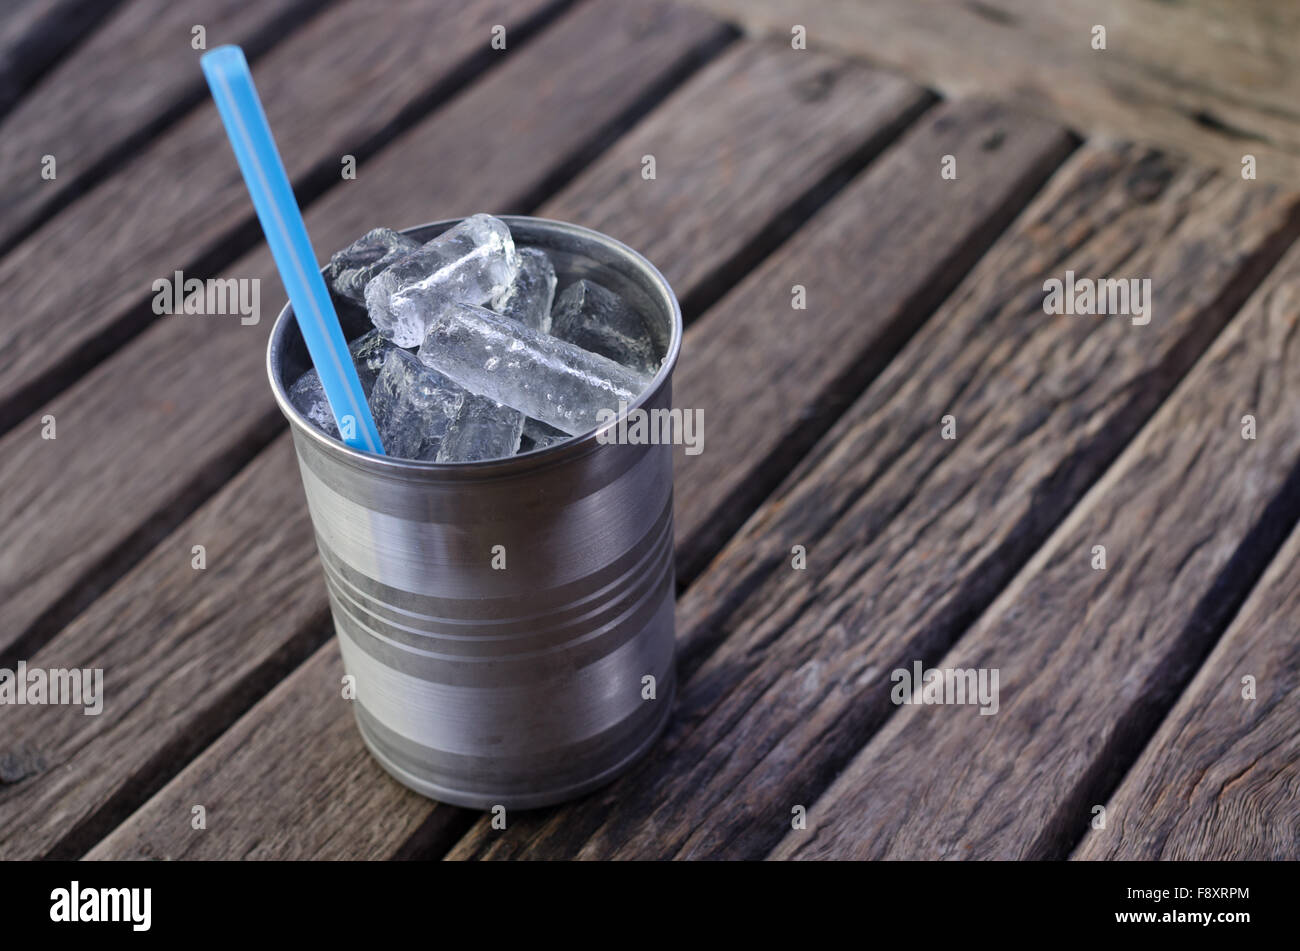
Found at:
[470, 343]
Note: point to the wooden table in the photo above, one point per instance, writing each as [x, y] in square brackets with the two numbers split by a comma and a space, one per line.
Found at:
[917, 465]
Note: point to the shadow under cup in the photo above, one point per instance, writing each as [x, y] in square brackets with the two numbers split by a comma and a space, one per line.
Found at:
[522, 685]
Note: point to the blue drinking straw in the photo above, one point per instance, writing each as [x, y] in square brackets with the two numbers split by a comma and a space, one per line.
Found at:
[250, 137]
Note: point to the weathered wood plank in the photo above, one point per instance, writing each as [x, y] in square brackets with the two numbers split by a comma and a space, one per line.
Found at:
[297, 787]
[742, 153]
[194, 389]
[181, 204]
[134, 74]
[35, 33]
[1221, 777]
[1215, 79]
[495, 146]
[784, 672]
[1090, 660]
[233, 629]
[874, 264]
[1033, 143]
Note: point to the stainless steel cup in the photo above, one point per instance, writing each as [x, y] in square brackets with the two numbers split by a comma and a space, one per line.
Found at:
[525, 685]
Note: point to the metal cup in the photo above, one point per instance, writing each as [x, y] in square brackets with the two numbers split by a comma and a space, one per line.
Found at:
[523, 685]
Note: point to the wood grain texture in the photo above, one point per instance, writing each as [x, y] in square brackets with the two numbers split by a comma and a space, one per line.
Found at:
[226, 366]
[175, 655]
[181, 204]
[131, 76]
[1091, 660]
[740, 152]
[784, 673]
[368, 796]
[192, 389]
[35, 33]
[300, 786]
[875, 263]
[1221, 777]
[1214, 79]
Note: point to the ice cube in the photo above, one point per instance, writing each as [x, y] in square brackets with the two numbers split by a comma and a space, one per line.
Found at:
[308, 397]
[412, 405]
[593, 317]
[351, 269]
[530, 297]
[537, 435]
[474, 262]
[369, 351]
[537, 374]
[485, 429]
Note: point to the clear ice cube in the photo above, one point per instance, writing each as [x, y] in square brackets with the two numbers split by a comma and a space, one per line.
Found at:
[485, 429]
[532, 293]
[537, 435]
[308, 396]
[537, 374]
[413, 406]
[593, 317]
[474, 262]
[369, 351]
[351, 269]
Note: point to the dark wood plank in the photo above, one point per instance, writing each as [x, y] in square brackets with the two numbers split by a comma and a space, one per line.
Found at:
[495, 147]
[1034, 144]
[1215, 79]
[193, 391]
[134, 74]
[784, 672]
[1219, 778]
[35, 33]
[181, 204]
[1091, 660]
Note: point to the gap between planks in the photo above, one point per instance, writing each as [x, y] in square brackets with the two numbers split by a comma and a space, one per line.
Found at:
[1219, 779]
[144, 74]
[36, 34]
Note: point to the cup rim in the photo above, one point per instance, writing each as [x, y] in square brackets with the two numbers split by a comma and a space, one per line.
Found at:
[568, 449]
